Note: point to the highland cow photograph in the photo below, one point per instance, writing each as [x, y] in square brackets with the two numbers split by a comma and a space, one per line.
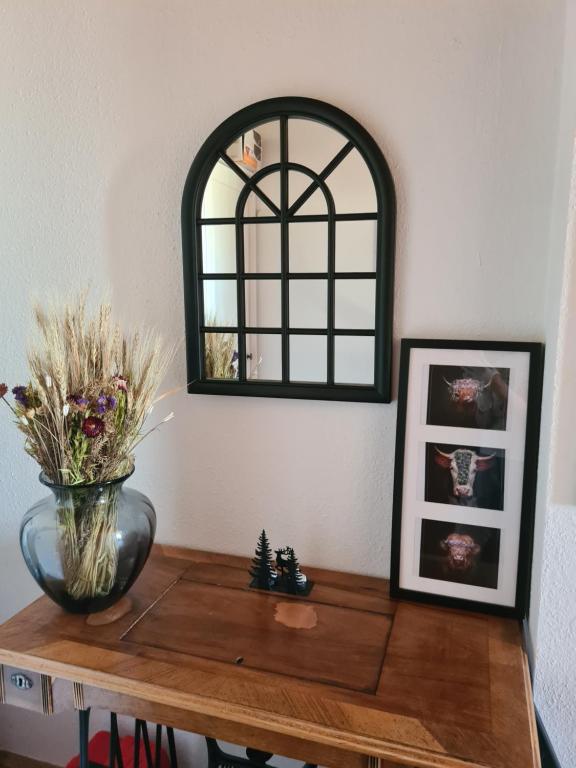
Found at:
[465, 554]
[463, 475]
[470, 397]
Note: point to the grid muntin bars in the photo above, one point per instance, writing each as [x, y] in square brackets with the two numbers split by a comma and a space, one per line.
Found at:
[276, 109]
[285, 215]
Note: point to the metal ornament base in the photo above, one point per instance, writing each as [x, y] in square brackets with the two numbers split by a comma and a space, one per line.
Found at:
[280, 587]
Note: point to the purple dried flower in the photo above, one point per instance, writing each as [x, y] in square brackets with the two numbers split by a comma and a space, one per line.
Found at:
[79, 401]
[20, 395]
[111, 402]
[235, 356]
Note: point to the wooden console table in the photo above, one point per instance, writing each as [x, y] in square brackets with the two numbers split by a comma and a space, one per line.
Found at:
[344, 678]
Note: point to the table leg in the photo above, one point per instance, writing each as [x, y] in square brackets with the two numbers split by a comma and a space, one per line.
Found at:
[84, 736]
[172, 747]
[136, 759]
[158, 753]
[115, 758]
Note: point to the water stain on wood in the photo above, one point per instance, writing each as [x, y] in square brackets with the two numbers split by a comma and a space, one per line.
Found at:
[296, 615]
[110, 615]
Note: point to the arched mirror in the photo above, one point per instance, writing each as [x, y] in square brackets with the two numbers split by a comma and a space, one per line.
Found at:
[288, 219]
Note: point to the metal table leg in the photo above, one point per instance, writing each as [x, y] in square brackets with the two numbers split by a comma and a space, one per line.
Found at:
[84, 736]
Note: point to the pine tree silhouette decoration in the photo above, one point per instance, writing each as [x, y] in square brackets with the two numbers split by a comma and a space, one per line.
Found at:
[262, 568]
[292, 573]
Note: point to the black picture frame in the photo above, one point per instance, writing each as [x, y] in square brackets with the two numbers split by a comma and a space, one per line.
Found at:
[282, 109]
[517, 609]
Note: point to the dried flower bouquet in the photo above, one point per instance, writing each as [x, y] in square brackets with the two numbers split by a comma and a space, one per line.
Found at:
[82, 414]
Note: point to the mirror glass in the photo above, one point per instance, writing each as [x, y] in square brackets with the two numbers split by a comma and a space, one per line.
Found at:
[220, 355]
[299, 183]
[308, 241]
[263, 303]
[264, 356]
[257, 206]
[221, 193]
[257, 148]
[313, 144]
[356, 246]
[354, 360]
[296, 248]
[352, 186]
[220, 303]
[262, 247]
[270, 186]
[355, 304]
[308, 303]
[308, 358]
[219, 248]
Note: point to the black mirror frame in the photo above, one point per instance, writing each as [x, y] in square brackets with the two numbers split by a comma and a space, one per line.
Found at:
[237, 124]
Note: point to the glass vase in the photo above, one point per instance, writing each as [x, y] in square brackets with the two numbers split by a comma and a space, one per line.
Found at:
[85, 545]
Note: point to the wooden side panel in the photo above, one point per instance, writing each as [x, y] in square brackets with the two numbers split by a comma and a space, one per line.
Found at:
[226, 730]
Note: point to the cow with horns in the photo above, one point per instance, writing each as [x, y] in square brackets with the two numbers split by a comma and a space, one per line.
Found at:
[466, 391]
[464, 464]
[461, 553]
[475, 400]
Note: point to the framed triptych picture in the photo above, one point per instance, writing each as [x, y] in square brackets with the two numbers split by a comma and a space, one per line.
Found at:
[465, 474]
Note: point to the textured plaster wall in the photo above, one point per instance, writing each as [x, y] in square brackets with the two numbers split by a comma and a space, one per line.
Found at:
[553, 610]
[102, 108]
[555, 679]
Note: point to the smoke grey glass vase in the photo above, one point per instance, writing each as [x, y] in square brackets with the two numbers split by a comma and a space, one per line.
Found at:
[85, 545]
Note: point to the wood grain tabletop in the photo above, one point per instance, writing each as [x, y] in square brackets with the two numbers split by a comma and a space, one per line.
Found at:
[344, 677]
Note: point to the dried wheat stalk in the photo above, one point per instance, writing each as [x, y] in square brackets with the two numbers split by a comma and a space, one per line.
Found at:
[82, 413]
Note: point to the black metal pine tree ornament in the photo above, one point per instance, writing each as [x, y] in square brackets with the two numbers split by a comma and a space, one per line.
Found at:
[262, 571]
[293, 579]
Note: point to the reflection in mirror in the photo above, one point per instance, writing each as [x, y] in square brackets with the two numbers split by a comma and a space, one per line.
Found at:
[308, 303]
[220, 303]
[352, 186]
[355, 303]
[308, 358]
[270, 185]
[220, 355]
[356, 246]
[298, 183]
[257, 148]
[221, 193]
[255, 206]
[313, 144]
[219, 248]
[262, 247]
[308, 246]
[264, 356]
[302, 249]
[354, 360]
[263, 304]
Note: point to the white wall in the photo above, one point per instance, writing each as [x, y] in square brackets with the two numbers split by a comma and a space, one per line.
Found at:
[553, 610]
[102, 108]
